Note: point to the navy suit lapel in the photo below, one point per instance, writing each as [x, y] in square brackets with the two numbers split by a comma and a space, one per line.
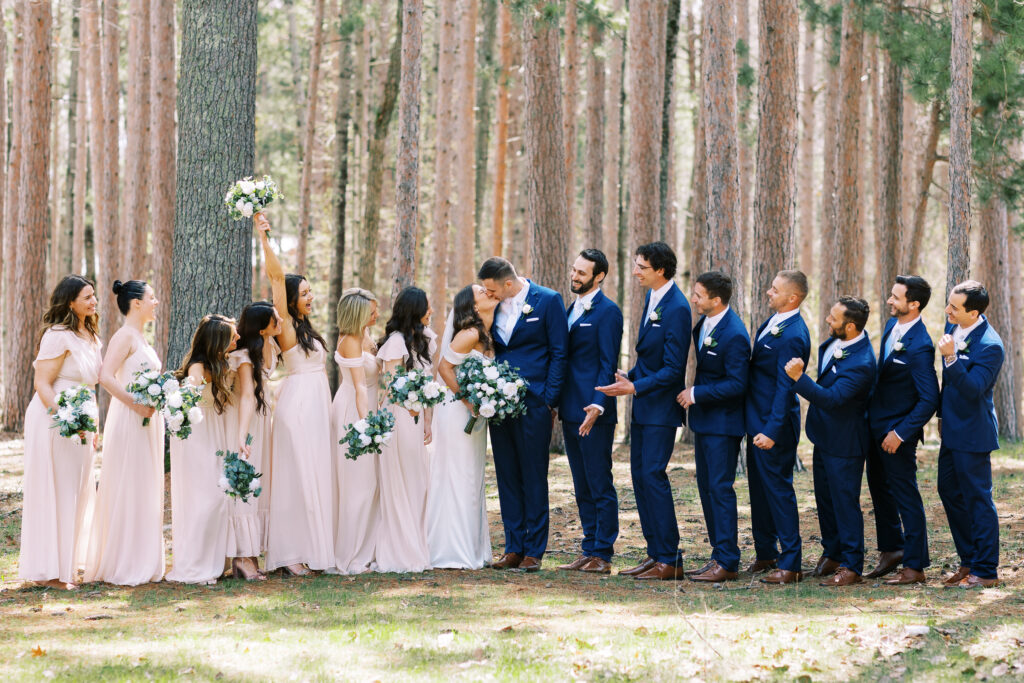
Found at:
[645, 322]
[531, 299]
[890, 325]
[594, 303]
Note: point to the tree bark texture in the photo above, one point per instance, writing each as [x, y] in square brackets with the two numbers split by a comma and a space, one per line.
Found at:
[108, 238]
[487, 71]
[67, 263]
[912, 250]
[805, 168]
[465, 230]
[849, 235]
[958, 258]
[407, 190]
[501, 124]
[162, 158]
[135, 221]
[667, 226]
[889, 202]
[593, 170]
[569, 109]
[447, 47]
[745, 140]
[308, 134]
[217, 117]
[613, 161]
[828, 259]
[13, 200]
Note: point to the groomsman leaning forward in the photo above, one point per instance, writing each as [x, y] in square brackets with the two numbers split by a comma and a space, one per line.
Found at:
[588, 416]
[972, 355]
[837, 426]
[529, 332]
[905, 397]
[772, 416]
[714, 407]
[662, 345]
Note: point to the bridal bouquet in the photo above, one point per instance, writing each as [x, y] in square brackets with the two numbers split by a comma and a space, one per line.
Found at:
[414, 390]
[239, 474]
[151, 388]
[181, 410]
[248, 196]
[77, 412]
[369, 434]
[494, 389]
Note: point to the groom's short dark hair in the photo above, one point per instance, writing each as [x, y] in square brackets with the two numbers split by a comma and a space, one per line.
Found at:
[660, 256]
[716, 283]
[597, 257]
[918, 289]
[497, 269]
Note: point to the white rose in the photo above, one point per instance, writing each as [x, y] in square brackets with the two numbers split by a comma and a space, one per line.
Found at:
[260, 185]
[961, 345]
[491, 373]
[527, 309]
[361, 426]
[176, 420]
[412, 397]
[195, 415]
[431, 390]
[224, 483]
[154, 390]
[240, 204]
[510, 390]
[247, 186]
[897, 346]
[519, 382]
[174, 399]
[227, 197]
[377, 439]
[417, 407]
[776, 330]
[166, 412]
[90, 409]
[400, 383]
[66, 414]
[385, 438]
[365, 440]
[247, 210]
[151, 375]
[487, 410]
[171, 385]
[488, 389]
[501, 402]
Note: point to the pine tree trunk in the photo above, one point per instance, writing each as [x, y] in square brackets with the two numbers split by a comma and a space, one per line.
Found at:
[775, 199]
[217, 118]
[135, 222]
[958, 259]
[13, 202]
[107, 238]
[162, 158]
[447, 46]
[849, 236]
[745, 138]
[1016, 331]
[828, 259]
[465, 101]
[666, 225]
[66, 261]
[889, 225]
[501, 144]
[807, 156]
[407, 190]
[593, 178]
[308, 131]
[484, 101]
[613, 162]
[569, 108]
[912, 250]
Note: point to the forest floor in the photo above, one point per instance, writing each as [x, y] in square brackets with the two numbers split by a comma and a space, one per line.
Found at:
[456, 625]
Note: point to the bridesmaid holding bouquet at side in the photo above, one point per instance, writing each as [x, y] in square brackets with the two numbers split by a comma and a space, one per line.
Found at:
[126, 544]
[58, 484]
[301, 532]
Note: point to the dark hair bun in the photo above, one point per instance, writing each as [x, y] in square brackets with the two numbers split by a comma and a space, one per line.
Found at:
[118, 285]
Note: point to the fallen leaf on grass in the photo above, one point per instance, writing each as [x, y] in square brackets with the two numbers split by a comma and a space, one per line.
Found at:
[38, 651]
[507, 629]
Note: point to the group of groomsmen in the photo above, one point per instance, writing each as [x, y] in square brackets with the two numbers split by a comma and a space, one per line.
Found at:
[863, 412]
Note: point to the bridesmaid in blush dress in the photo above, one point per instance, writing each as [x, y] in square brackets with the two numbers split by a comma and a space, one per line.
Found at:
[404, 471]
[58, 485]
[357, 494]
[301, 522]
[126, 544]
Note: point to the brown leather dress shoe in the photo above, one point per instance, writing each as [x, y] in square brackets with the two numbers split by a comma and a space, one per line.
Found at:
[906, 576]
[781, 576]
[716, 574]
[529, 564]
[844, 576]
[825, 567]
[888, 562]
[661, 572]
[640, 568]
[973, 581]
[957, 576]
[700, 570]
[575, 564]
[597, 566]
[762, 566]
[508, 561]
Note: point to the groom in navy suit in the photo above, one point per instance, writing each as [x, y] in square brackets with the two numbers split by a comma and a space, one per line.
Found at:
[654, 382]
[588, 416]
[972, 356]
[530, 333]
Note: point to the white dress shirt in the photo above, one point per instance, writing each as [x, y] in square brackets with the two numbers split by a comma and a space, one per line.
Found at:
[777, 319]
[898, 330]
[510, 309]
[656, 296]
[839, 344]
[960, 334]
[705, 329]
[581, 301]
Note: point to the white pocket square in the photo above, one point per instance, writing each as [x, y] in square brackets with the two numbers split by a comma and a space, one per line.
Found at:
[655, 325]
[897, 361]
[586, 324]
[834, 369]
[532, 320]
[962, 357]
[767, 347]
[712, 353]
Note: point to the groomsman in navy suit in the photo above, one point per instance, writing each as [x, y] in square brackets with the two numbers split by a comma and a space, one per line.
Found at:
[588, 416]
[905, 397]
[772, 417]
[972, 355]
[715, 415]
[529, 332]
[661, 349]
[837, 426]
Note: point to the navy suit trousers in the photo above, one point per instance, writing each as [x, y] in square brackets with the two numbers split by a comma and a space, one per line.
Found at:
[773, 512]
[715, 457]
[965, 487]
[650, 449]
[899, 511]
[837, 495]
[590, 460]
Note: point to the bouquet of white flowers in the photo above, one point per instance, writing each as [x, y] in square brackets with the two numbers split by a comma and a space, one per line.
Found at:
[181, 409]
[77, 412]
[248, 196]
[239, 474]
[369, 434]
[414, 390]
[151, 388]
[494, 389]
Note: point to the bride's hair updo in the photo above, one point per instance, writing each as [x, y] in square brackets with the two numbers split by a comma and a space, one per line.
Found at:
[355, 308]
[465, 316]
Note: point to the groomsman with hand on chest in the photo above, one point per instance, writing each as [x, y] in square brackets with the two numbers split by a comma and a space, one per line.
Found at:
[905, 397]
[837, 426]
[715, 415]
[972, 355]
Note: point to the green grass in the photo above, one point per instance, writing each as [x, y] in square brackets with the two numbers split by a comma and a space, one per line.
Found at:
[550, 626]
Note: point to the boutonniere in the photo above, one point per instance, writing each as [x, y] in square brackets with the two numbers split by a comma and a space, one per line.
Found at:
[898, 346]
[709, 341]
[655, 315]
[840, 354]
[963, 346]
[776, 330]
[527, 310]
[587, 305]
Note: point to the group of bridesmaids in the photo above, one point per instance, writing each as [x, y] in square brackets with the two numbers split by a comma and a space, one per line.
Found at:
[318, 510]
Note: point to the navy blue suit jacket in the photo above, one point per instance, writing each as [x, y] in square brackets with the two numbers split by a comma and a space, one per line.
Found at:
[660, 371]
[906, 391]
[837, 420]
[595, 340]
[967, 412]
[772, 407]
[537, 346]
[721, 380]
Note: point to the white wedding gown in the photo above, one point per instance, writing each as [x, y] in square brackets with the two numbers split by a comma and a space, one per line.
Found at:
[457, 534]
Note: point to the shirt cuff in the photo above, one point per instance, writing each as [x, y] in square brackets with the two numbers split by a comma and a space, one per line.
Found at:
[600, 408]
[947, 362]
[898, 436]
[693, 395]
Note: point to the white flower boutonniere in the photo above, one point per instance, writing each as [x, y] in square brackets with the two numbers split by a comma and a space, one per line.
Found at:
[898, 346]
[527, 309]
[840, 354]
[587, 305]
[962, 345]
[655, 315]
[776, 330]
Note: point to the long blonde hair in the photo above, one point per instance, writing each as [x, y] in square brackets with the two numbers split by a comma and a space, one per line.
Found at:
[354, 311]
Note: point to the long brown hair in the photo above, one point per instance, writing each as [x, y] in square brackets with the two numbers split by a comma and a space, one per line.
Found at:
[254, 319]
[465, 316]
[304, 332]
[59, 314]
[210, 348]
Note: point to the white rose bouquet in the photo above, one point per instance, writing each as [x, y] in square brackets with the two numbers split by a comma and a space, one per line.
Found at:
[494, 390]
[77, 412]
[369, 434]
[181, 410]
[239, 474]
[414, 390]
[150, 388]
[248, 196]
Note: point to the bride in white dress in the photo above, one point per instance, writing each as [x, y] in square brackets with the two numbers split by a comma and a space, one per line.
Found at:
[457, 533]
